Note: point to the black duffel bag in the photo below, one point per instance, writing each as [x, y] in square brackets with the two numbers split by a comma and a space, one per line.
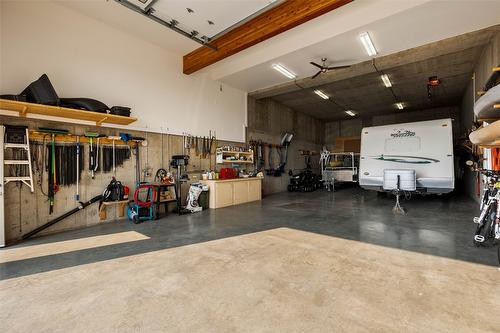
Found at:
[88, 104]
[18, 98]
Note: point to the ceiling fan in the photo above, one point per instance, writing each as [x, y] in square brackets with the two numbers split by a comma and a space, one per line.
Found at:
[324, 68]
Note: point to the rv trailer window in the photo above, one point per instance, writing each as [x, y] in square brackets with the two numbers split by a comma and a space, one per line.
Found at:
[404, 144]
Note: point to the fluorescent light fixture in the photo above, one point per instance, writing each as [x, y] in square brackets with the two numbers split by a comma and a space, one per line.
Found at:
[285, 71]
[321, 94]
[368, 44]
[399, 106]
[350, 112]
[385, 79]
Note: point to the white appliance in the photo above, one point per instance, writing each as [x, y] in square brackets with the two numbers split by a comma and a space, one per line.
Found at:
[426, 147]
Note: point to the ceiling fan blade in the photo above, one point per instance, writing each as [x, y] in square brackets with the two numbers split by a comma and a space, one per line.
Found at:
[337, 67]
[318, 73]
[315, 64]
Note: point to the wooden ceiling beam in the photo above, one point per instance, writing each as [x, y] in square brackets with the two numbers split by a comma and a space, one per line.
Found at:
[283, 17]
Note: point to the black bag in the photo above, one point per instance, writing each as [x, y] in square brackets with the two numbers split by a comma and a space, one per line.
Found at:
[120, 111]
[114, 191]
[41, 91]
[88, 104]
[19, 98]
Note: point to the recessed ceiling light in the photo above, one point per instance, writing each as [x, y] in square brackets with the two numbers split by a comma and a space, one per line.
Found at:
[285, 71]
[321, 94]
[399, 106]
[368, 44]
[350, 112]
[385, 79]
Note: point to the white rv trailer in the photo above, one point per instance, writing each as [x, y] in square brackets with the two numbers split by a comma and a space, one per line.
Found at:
[424, 146]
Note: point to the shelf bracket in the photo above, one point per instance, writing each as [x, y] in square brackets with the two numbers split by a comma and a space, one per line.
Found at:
[99, 122]
[23, 112]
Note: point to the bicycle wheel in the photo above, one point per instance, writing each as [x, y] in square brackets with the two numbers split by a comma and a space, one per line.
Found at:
[484, 231]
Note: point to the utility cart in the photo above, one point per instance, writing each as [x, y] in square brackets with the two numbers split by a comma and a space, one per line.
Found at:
[339, 167]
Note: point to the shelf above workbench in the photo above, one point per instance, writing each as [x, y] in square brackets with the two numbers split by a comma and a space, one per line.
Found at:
[233, 156]
[25, 108]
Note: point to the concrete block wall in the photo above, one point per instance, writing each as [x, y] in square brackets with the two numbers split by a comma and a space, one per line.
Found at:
[452, 112]
[353, 127]
[24, 211]
[334, 129]
[268, 121]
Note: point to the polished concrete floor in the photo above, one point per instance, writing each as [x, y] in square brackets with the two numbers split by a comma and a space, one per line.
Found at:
[294, 262]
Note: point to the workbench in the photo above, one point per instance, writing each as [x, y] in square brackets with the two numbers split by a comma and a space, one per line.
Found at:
[229, 192]
[163, 187]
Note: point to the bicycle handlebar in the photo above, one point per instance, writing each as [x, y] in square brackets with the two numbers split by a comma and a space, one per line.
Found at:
[489, 173]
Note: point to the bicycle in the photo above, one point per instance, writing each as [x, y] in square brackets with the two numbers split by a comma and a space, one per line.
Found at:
[488, 222]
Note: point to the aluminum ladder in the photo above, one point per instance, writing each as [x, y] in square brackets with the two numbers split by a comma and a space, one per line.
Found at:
[25, 179]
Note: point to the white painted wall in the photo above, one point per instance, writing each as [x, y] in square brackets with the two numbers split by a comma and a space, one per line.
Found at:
[84, 57]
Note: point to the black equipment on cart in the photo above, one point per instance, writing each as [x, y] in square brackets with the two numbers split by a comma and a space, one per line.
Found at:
[179, 161]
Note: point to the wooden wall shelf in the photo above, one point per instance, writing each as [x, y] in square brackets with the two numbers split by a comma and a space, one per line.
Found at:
[225, 156]
[25, 108]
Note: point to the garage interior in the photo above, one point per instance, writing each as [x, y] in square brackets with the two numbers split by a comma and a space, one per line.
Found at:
[195, 166]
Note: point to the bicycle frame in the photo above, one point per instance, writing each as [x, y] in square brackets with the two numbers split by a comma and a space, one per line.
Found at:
[493, 187]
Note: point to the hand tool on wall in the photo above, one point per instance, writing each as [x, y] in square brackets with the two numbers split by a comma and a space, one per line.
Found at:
[214, 143]
[52, 181]
[202, 148]
[77, 196]
[199, 146]
[138, 141]
[52, 178]
[196, 146]
[205, 139]
[211, 143]
[113, 139]
[92, 152]
[137, 165]
[98, 148]
[183, 142]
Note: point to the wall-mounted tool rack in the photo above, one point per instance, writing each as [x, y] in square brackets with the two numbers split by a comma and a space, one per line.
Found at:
[25, 109]
[72, 138]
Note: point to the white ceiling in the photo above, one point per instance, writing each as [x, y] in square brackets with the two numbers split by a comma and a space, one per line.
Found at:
[394, 25]
[124, 19]
[423, 24]
[222, 13]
